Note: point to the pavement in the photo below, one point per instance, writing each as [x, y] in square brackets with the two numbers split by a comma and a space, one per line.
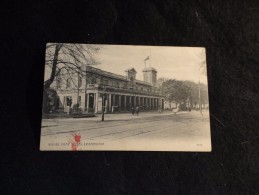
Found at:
[184, 131]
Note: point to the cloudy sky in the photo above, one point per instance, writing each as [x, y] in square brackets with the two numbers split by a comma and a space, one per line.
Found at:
[182, 63]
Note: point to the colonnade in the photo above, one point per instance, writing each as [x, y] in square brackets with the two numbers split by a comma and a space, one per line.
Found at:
[122, 102]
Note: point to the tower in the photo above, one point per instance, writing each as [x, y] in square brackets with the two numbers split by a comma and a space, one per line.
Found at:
[131, 74]
[150, 75]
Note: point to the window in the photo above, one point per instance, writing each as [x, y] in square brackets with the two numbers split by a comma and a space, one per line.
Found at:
[57, 102]
[105, 82]
[68, 101]
[79, 81]
[58, 82]
[68, 84]
[79, 100]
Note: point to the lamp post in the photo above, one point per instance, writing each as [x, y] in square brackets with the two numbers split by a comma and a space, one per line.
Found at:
[199, 88]
[103, 108]
[200, 98]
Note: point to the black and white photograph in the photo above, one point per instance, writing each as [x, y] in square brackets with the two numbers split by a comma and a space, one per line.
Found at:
[119, 97]
[129, 97]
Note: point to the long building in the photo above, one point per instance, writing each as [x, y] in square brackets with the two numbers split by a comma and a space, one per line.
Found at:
[100, 90]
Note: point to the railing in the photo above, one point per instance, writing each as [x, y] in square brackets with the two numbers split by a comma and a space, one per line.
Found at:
[92, 85]
[123, 90]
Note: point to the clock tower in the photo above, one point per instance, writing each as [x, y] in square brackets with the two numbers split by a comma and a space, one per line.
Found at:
[150, 75]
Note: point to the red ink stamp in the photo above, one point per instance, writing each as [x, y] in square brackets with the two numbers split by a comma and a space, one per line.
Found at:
[75, 141]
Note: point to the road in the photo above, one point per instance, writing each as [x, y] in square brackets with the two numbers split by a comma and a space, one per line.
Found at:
[149, 131]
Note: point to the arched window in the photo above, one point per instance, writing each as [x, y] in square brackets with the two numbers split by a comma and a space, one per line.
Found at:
[68, 83]
[79, 81]
[58, 80]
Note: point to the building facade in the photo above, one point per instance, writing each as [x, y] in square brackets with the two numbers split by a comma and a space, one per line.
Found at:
[100, 90]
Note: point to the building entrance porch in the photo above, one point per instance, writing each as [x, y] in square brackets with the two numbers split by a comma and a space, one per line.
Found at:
[121, 102]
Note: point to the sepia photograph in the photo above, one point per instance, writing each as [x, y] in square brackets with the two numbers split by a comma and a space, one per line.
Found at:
[125, 98]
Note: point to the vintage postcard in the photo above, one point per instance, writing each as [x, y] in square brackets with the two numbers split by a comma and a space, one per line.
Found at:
[125, 98]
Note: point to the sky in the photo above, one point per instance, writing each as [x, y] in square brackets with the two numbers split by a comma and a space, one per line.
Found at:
[181, 63]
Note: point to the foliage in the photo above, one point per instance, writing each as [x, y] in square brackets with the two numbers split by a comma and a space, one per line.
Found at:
[185, 91]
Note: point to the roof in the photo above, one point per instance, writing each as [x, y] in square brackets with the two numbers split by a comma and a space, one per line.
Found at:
[143, 82]
[131, 70]
[149, 69]
[112, 75]
[104, 73]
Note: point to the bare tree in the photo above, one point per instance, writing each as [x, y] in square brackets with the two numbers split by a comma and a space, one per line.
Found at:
[203, 66]
[68, 57]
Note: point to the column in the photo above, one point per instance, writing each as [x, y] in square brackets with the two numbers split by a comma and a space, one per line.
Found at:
[125, 103]
[113, 100]
[163, 104]
[130, 101]
[87, 105]
[119, 103]
[96, 102]
[110, 102]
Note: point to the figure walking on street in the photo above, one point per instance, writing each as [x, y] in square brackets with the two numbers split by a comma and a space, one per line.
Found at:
[132, 110]
[137, 110]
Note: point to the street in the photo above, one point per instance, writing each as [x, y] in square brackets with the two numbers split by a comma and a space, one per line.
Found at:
[184, 131]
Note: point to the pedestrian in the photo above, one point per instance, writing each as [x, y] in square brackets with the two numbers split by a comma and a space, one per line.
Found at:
[159, 110]
[137, 110]
[132, 110]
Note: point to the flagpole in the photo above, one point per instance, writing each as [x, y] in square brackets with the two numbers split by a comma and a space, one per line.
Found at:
[200, 108]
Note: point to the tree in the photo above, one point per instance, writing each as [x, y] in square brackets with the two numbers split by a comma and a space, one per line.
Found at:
[176, 91]
[193, 93]
[203, 67]
[204, 94]
[66, 59]
[185, 91]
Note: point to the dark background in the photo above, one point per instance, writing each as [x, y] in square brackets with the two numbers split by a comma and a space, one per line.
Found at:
[230, 32]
